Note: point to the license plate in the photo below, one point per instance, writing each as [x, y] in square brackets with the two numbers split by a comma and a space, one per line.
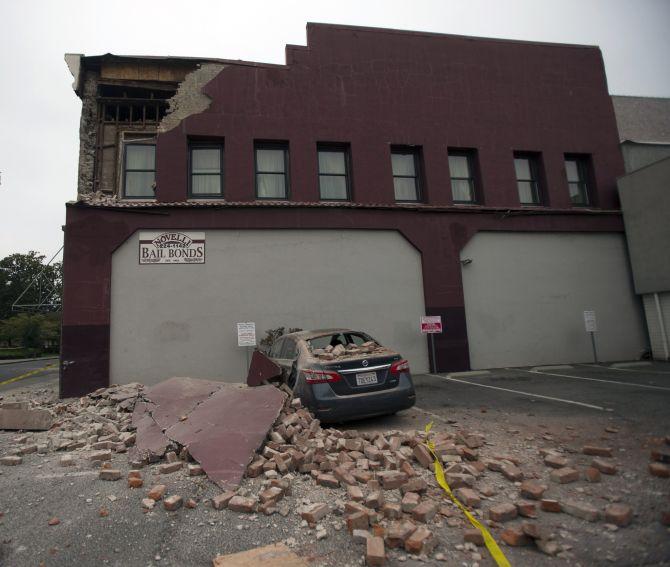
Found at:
[366, 378]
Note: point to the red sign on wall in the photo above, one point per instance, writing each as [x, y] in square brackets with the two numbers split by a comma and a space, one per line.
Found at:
[432, 324]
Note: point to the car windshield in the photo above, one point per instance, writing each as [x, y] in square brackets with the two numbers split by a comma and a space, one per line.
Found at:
[339, 338]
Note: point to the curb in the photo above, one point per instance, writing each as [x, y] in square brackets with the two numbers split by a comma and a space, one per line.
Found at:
[17, 360]
[629, 364]
[552, 367]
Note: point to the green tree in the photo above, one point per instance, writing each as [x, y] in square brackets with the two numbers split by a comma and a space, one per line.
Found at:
[17, 271]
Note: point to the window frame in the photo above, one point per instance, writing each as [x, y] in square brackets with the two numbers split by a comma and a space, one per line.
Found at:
[335, 147]
[471, 156]
[585, 182]
[206, 146]
[416, 153]
[125, 170]
[535, 168]
[272, 145]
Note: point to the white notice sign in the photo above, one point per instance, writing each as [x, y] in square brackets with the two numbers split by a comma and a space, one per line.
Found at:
[590, 321]
[172, 247]
[246, 334]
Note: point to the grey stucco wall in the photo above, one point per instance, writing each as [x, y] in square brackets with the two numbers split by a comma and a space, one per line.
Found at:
[636, 156]
[180, 320]
[645, 201]
[525, 295]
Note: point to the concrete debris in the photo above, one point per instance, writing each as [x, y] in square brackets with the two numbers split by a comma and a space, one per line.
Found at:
[25, 419]
[276, 555]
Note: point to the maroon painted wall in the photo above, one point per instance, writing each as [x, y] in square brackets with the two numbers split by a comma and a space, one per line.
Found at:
[370, 88]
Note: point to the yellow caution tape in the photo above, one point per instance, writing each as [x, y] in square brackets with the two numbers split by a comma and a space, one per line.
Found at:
[491, 545]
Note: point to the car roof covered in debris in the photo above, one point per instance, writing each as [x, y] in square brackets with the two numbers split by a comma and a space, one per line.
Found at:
[306, 335]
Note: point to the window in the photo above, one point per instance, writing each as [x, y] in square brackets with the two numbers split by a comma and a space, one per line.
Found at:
[405, 163]
[461, 169]
[333, 173]
[206, 170]
[271, 171]
[139, 175]
[289, 352]
[576, 170]
[527, 178]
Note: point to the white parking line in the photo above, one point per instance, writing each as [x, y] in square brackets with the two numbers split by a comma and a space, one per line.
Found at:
[478, 384]
[627, 369]
[648, 386]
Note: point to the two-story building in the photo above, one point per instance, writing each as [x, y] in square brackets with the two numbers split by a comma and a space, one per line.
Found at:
[378, 176]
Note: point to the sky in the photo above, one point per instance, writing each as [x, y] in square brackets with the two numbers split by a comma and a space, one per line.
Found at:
[39, 112]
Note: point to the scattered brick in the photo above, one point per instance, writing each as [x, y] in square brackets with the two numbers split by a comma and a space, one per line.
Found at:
[392, 511]
[473, 535]
[220, 501]
[661, 454]
[11, 461]
[392, 479]
[134, 482]
[548, 547]
[409, 502]
[415, 484]
[100, 456]
[375, 500]
[315, 512]
[157, 492]
[241, 504]
[357, 521]
[514, 536]
[619, 514]
[660, 470]
[67, 461]
[344, 476]
[550, 505]
[103, 512]
[555, 461]
[375, 554]
[355, 493]
[592, 474]
[167, 468]
[191, 503]
[533, 531]
[421, 541]
[425, 511]
[327, 480]
[581, 510]
[468, 497]
[109, 474]
[532, 489]
[195, 470]
[398, 532]
[564, 475]
[526, 509]
[272, 495]
[148, 503]
[604, 466]
[134, 474]
[511, 472]
[53, 522]
[172, 503]
[597, 451]
[422, 454]
[503, 512]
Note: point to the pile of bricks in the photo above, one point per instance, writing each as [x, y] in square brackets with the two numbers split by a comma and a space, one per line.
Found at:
[99, 422]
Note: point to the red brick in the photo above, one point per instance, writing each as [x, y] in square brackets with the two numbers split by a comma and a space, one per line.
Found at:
[195, 470]
[375, 554]
[392, 479]
[597, 451]
[167, 468]
[421, 541]
[661, 454]
[134, 482]
[555, 461]
[532, 489]
[526, 509]
[619, 514]
[425, 511]
[148, 503]
[581, 510]
[422, 455]
[100, 456]
[511, 472]
[398, 532]
[564, 475]
[468, 497]
[415, 484]
[157, 492]
[392, 511]
[550, 505]
[375, 499]
[660, 470]
[409, 501]
[11, 460]
[592, 474]
[473, 535]
[255, 469]
[172, 503]
[327, 480]
[190, 503]
[241, 504]
[220, 501]
[314, 512]
[515, 537]
[273, 495]
[503, 512]
[355, 493]
[533, 531]
[344, 476]
[109, 474]
[357, 521]
[53, 522]
[604, 466]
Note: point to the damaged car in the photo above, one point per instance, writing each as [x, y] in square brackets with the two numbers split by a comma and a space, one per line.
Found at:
[342, 374]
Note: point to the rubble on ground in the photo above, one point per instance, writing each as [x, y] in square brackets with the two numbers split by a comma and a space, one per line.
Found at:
[351, 350]
[378, 487]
